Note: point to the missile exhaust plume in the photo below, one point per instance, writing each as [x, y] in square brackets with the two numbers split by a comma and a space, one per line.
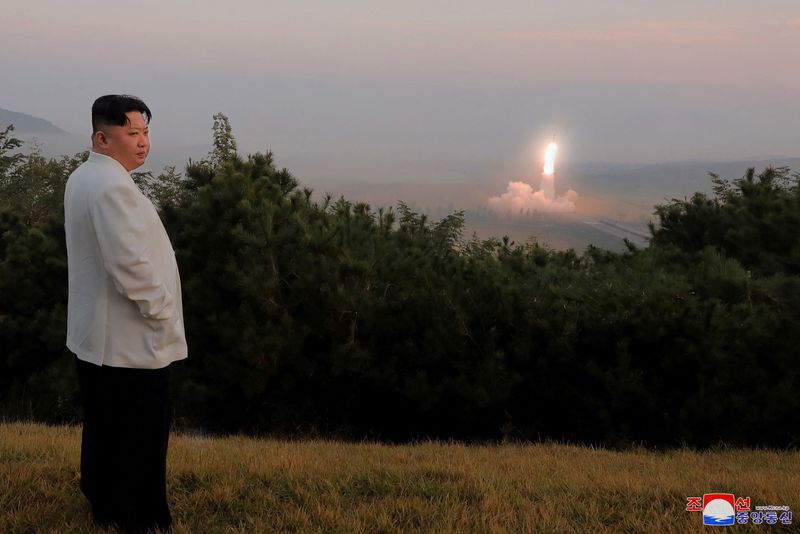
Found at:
[520, 196]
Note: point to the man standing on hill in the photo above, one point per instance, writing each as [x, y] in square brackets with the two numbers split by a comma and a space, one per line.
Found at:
[124, 323]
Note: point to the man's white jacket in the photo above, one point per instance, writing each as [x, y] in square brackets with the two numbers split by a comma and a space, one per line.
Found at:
[124, 289]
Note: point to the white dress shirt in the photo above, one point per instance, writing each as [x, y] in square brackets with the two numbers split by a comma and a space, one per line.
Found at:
[124, 289]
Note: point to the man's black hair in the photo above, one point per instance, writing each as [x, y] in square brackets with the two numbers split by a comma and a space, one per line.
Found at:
[110, 110]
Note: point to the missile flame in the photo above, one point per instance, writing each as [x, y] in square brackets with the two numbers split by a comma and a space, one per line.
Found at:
[520, 198]
[550, 158]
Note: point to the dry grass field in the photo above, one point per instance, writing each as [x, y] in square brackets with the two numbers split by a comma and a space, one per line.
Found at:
[239, 484]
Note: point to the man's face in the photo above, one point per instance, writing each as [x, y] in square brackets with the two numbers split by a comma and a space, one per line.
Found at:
[127, 144]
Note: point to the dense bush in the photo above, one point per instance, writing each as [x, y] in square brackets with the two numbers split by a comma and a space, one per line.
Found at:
[753, 219]
[326, 317]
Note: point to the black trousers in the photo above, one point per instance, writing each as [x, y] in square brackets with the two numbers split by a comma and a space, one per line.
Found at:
[127, 415]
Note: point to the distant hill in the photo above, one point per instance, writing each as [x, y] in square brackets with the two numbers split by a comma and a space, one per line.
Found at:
[42, 135]
[52, 141]
[27, 124]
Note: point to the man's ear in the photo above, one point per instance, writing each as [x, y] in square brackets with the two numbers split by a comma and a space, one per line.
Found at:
[99, 139]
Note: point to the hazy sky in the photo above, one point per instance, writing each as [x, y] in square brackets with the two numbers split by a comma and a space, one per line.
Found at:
[434, 88]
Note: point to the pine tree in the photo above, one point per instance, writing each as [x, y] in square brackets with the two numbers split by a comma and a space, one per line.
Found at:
[224, 142]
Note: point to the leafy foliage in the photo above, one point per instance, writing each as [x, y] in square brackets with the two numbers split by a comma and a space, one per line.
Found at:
[9, 159]
[31, 184]
[224, 142]
[165, 190]
[328, 317]
[753, 219]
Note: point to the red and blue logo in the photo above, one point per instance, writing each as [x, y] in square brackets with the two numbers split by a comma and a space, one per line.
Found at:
[718, 509]
[723, 510]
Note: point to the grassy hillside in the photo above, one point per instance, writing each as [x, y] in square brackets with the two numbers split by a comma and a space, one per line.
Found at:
[245, 485]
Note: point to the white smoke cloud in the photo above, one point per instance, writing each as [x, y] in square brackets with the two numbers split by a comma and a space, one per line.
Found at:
[520, 197]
